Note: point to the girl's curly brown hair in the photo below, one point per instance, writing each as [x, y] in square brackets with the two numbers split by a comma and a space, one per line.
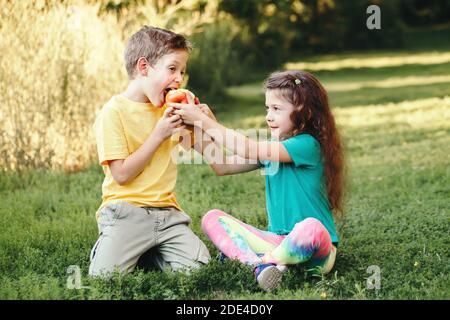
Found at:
[312, 115]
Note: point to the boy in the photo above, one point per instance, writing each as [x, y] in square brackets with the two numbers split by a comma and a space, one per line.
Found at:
[139, 212]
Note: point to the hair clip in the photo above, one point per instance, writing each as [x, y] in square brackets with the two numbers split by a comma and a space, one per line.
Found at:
[298, 82]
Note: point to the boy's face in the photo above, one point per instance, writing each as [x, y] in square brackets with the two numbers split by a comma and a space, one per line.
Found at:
[278, 116]
[167, 73]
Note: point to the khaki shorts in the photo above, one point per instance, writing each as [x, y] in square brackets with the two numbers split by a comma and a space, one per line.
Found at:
[128, 232]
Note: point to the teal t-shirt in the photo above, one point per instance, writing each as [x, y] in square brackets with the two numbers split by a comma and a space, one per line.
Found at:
[296, 191]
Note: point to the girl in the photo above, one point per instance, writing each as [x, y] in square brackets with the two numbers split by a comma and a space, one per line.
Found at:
[304, 180]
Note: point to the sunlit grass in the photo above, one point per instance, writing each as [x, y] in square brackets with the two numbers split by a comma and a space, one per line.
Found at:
[418, 114]
[393, 82]
[247, 90]
[379, 61]
[431, 113]
[255, 89]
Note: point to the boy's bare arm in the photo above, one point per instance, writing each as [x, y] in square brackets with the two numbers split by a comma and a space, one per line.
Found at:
[125, 170]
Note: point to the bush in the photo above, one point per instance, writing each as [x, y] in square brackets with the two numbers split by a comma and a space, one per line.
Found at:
[59, 65]
[214, 64]
[421, 12]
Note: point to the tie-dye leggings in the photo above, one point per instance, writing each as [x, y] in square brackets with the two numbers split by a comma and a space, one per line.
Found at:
[309, 242]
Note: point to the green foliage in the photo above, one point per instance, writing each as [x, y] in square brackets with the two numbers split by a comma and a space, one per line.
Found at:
[276, 29]
[214, 64]
[421, 13]
[350, 31]
[266, 32]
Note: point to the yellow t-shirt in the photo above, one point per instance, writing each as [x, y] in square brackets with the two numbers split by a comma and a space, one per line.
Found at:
[121, 127]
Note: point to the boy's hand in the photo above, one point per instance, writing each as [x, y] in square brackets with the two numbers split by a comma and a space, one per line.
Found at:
[169, 124]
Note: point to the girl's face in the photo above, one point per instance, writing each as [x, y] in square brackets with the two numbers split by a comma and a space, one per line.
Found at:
[278, 115]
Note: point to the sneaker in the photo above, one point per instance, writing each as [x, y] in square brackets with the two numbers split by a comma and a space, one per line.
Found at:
[280, 267]
[222, 257]
[268, 276]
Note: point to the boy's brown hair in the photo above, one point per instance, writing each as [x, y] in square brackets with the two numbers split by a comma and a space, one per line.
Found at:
[152, 43]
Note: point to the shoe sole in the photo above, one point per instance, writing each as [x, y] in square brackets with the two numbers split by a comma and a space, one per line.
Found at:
[270, 279]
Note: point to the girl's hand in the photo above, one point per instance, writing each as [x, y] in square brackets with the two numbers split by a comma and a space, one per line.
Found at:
[168, 124]
[206, 110]
[189, 113]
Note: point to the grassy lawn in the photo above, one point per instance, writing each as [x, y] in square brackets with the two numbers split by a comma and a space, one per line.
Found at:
[395, 120]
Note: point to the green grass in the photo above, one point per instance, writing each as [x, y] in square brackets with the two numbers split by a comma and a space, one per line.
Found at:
[397, 138]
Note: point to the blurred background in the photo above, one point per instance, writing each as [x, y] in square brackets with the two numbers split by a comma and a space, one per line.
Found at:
[62, 60]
